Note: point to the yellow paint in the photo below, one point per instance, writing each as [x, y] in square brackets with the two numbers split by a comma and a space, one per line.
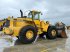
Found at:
[16, 24]
[29, 34]
[44, 51]
[8, 30]
[53, 32]
[37, 22]
[19, 23]
[44, 26]
[1, 23]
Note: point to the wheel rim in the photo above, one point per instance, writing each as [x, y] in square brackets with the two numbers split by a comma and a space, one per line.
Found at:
[53, 32]
[29, 34]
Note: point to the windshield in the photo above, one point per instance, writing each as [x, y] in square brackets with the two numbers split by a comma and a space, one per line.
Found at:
[36, 16]
[33, 15]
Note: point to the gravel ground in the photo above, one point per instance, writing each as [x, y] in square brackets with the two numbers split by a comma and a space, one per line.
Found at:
[42, 45]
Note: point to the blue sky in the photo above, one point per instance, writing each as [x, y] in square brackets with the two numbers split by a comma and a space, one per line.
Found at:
[53, 10]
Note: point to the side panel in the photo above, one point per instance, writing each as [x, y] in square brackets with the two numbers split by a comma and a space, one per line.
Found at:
[44, 26]
[18, 26]
[38, 24]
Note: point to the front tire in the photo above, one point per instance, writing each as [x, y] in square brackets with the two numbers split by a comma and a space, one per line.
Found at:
[51, 33]
[28, 34]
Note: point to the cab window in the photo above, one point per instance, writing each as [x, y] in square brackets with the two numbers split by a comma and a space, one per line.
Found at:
[36, 16]
[30, 15]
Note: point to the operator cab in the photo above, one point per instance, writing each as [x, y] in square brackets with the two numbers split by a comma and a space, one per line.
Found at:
[34, 15]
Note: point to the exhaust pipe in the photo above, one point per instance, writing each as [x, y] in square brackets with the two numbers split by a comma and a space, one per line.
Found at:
[21, 13]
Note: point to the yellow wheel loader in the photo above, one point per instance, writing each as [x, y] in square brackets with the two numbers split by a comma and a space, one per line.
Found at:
[26, 28]
[2, 22]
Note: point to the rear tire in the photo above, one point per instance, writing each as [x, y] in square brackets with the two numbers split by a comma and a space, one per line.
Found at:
[51, 33]
[22, 36]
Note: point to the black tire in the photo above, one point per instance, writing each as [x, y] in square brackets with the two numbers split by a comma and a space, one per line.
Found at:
[42, 35]
[0, 29]
[22, 34]
[49, 34]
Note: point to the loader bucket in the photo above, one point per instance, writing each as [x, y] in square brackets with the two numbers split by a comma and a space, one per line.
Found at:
[63, 34]
[62, 29]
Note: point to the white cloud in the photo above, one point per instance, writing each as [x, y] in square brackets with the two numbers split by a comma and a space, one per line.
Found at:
[50, 8]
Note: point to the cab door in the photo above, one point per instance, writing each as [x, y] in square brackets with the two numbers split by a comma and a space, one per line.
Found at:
[37, 20]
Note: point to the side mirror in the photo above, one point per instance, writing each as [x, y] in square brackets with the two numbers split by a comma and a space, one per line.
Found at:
[47, 22]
